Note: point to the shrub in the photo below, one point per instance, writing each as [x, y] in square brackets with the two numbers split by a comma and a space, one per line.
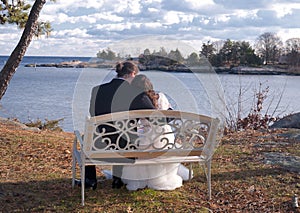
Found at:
[52, 125]
[256, 119]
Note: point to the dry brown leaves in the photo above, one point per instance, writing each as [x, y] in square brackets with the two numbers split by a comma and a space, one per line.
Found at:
[35, 176]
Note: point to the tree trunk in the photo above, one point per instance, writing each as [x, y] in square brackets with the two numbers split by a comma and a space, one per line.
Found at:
[16, 56]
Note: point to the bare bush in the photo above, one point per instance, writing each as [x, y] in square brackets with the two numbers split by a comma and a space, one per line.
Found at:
[257, 118]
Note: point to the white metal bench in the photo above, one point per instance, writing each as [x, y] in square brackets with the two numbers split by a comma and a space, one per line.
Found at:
[195, 140]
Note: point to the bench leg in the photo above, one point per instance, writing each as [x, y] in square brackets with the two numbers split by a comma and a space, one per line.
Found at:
[208, 176]
[82, 184]
[207, 171]
[73, 169]
[190, 171]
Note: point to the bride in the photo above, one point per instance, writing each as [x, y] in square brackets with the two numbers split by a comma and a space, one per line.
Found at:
[158, 176]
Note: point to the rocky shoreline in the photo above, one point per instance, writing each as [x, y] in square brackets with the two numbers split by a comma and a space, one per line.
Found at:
[176, 68]
[241, 70]
[74, 64]
[18, 124]
[267, 70]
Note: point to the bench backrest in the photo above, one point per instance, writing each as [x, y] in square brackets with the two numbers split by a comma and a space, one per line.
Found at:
[145, 133]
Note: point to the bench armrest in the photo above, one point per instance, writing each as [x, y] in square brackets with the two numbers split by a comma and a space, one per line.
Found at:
[78, 137]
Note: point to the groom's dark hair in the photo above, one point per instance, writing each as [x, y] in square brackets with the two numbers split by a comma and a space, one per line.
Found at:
[127, 67]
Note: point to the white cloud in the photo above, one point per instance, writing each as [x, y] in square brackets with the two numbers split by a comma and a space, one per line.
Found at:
[129, 6]
[196, 4]
[175, 17]
[152, 1]
[285, 9]
[9, 37]
[104, 21]
[70, 46]
[107, 16]
[70, 5]
[72, 33]
[62, 18]
[153, 24]
[245, 13]
[97, 4]
[134, 6]
[285, 34]
[171, 17]
[117, 26]
[222, 18]
[153, 10]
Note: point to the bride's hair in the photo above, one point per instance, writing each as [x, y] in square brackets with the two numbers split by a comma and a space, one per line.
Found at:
[143, 83]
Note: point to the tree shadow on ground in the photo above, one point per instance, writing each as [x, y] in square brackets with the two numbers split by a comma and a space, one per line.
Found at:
[35, 196]
[57, 195]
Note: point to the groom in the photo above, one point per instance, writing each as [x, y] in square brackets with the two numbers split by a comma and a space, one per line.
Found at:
[115, 96]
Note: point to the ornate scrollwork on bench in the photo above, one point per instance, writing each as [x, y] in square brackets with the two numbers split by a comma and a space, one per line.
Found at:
[153, 133]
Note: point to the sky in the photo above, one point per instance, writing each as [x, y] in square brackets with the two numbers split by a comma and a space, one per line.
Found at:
[82, 28]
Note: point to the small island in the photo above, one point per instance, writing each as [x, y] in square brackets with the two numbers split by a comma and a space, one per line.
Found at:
[159, 63]
[234, 57]
[75, 64]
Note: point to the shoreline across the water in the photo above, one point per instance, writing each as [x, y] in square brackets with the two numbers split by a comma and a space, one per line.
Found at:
[241, 70]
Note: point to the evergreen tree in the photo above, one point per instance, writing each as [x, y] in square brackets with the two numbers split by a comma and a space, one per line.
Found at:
[147, 52]
[176, 56]
[17, 13]
[208, 50]
[193, 59]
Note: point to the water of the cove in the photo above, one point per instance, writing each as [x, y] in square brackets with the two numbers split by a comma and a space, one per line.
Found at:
[54, 93]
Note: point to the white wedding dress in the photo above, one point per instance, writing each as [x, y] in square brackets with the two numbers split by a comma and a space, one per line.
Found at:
[157, 176]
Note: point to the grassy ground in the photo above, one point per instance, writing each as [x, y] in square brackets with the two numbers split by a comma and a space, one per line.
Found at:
[35, 176]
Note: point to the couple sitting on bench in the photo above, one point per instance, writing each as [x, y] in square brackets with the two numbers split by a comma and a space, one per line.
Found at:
[129, 91]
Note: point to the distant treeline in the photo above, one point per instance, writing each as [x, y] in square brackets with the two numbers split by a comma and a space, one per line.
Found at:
[267, 50]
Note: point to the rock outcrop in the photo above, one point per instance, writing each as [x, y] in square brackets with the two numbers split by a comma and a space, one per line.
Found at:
[290, 121]
[17, 124]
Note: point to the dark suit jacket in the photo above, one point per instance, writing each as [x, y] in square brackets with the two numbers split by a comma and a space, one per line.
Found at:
[115, 96]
